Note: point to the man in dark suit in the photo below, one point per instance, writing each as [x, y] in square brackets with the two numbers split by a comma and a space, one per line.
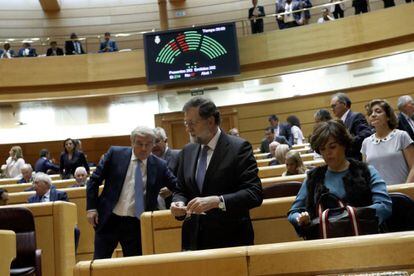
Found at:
[45, 192]
[7, 52]
[108, 45]
[133, 179]
[269, 138]
[217, 183]
[405, 118]
[281, 129]
[255, 14]
[355, 122]
[43, 164]
[27, 51]
[73, 46]
[54, 50]
[27, 172]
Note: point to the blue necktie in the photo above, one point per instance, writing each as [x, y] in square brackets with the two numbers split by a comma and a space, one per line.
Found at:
[202, 167]
[139, 193]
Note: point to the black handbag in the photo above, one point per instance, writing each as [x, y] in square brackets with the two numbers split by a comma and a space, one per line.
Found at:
[341, 221]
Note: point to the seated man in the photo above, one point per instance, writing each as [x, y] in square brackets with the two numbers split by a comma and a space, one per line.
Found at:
[44, 164]
[27, 51]
[269, 138]
[7, 52]
[27, 172]
[54, 50]
[81, 176]
[46, 192]
[74, 46]
[108, 45]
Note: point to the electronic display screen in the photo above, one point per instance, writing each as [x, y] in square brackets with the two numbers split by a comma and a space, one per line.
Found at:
[198, 53]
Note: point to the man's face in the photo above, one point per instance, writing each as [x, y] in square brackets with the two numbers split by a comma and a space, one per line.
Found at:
[6, 46]
[269, 135]
[142, 146]
[53, 45]
[254, 2]
[338, 108]
[107, 37]
[200, 129]
[408, 109]
[81, 177]
[40, 187]
[274, 123]
[159, 147]
[26, 173]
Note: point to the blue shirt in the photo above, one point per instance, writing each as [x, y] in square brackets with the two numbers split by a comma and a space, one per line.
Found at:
[381, 201]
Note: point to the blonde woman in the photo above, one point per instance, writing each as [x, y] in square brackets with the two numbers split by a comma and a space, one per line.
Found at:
[14, 163]
[280, 153]
[294, 164]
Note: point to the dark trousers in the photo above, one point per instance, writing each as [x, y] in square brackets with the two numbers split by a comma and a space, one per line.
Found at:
[338, 12]
[257, 27]
[291, 24]
[361, 6]
[280, 24]
[125, 230]
[389, 3]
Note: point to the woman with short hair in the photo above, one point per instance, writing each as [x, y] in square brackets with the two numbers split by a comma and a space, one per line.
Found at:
[389, 150]
[352, 181]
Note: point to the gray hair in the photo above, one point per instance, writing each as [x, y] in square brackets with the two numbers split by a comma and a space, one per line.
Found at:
[273, 146]
[80, 170]
[343, 98]
[403, 100]
[142, 131]
[40, 176]
[26, 167]
[160, 133]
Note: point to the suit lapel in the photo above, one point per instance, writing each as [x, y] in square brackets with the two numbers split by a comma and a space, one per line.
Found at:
[151, 173]
[348, 120]
[52, 195]
[123, 164]
[192, 157]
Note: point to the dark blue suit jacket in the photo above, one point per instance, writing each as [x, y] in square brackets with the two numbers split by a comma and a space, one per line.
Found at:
[285, 130]
[32, 52]
[113, 169]
[403, 124]
[113, 47]
[358, 126]
[12, 53]
[43, 165]
[55, 195]
[171, 157]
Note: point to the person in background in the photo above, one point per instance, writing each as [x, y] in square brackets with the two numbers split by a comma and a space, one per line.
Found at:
[14, 164]
[70, 159]
[269, 138]
[281, 152]
[27, 174]
[4, 196]
[388, 3]
[272, 153]
[322, 115]
[338, 9]
[81, 177]
[54, 50]
[325, 16]
[7, 52]
[280, 8]
[280, 129]
[44, 163]
[352, 181]
[389, 150]
[74, 46]
[355, 122]
[295, 129]
[27, 51]
[294, 164]
[234, 131]
[361, 6]
[255, 14]
[108, 45]
[406, 117]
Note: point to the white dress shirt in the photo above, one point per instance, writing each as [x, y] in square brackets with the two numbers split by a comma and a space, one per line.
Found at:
[126, 202]
[343, 118]
[46, 197]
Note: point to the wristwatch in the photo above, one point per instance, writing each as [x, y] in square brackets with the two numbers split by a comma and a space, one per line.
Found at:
[221, 204]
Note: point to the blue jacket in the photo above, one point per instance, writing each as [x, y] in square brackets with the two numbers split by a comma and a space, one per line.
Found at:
[110, 44]
[55, 195]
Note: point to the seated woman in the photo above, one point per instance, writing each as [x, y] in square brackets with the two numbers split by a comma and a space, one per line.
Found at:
[389, 150]
[71, 158]
[14, 164]
[294, 164]
[280, 153]
[352, 181]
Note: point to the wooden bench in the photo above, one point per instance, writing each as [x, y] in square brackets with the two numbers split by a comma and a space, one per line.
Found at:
[59, 184]
[266, 182]
[78, 197]
[55, 223]
[304, 145]
[341, 255]
[8, 181]
[265, 162]
[277, 170]
[161, 233]
[8, 252]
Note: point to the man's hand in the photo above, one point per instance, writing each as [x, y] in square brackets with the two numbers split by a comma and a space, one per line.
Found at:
[200, 205]
[178, 209]
[92, 217]
[303, 219]
[165, 192]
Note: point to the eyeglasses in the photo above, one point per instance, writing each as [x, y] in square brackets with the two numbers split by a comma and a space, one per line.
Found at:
[335, 105]
[191, 123]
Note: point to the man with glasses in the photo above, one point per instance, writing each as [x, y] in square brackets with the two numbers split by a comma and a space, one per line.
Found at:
[217, 183]
[133, 178]
[355, 122]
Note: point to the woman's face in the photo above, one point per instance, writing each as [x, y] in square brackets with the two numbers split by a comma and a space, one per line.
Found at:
[12, 154]
[291, 166]
[69, 146]
[333, 153]
[378, 117]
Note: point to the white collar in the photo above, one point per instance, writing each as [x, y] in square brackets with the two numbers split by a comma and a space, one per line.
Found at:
[376, 140]
[47, 194]
[134, 158]
[213, 142]
[343, 118]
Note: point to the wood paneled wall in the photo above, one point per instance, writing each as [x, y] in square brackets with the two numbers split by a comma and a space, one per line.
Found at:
[251, 119]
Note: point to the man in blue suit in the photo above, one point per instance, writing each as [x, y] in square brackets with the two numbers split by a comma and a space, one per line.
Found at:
[45, 192]
[406, 117]
[43, 164]
[27, 51]
[7, 52]
[133, 179]
[281, 129]
[108, 45]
